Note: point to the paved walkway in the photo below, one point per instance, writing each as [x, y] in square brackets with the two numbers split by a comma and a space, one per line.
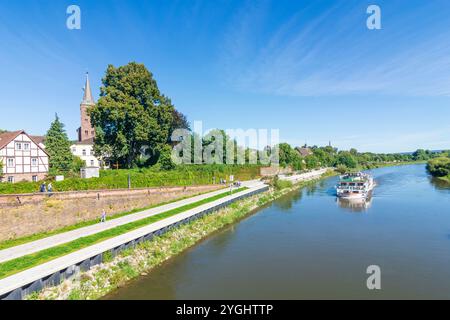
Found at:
[44, 270]
[305, 176]
[48, 242]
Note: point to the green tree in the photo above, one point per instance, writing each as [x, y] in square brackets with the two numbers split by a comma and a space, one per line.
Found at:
[421, 154]
[57, 145]
[131, 116]
[347, 159]
[165, 159]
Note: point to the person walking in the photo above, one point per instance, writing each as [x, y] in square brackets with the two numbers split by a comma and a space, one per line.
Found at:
[50, 187]
[103, 217]
[42, 188]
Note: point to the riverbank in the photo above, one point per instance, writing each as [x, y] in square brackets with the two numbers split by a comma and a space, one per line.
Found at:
[141, 259]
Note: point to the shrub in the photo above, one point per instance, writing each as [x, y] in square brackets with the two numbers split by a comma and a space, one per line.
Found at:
[439, 167]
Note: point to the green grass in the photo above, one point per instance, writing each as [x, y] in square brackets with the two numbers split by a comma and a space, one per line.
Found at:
[37, 236]
[16, 265]
[446, 178]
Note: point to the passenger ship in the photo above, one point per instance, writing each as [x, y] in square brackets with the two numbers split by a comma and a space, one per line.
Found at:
[355, 186]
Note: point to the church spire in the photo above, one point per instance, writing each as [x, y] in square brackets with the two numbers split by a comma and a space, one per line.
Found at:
[87, 96]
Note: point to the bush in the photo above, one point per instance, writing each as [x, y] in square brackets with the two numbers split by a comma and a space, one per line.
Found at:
[439, 167]
[341, 169]
[184, 175]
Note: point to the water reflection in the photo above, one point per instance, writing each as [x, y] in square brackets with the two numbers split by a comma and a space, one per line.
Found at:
[285, 203]
[407, 233]
[355, 205]
[439, 184]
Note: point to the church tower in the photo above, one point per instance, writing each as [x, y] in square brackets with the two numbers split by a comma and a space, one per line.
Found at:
[86, 131]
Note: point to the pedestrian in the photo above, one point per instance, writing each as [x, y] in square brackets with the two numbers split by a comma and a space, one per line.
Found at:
[50, 187]
[42, 188]
[103, 218]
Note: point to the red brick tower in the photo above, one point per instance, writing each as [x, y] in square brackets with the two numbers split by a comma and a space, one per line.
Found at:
[86, 131]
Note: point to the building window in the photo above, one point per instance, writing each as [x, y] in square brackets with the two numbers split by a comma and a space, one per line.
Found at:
[34, 178]
[34, 162]
[11, 179]
[92, 132]
[84, 152]
[86, 132]
[26, 146]
[74, 150]
[92, 163]
[18, 146]
[10, 162]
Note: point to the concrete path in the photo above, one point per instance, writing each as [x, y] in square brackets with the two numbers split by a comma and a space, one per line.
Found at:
[305, 176]
[44, 270]
[52, 241]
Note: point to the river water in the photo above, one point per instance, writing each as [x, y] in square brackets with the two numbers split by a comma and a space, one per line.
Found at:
[307, 245]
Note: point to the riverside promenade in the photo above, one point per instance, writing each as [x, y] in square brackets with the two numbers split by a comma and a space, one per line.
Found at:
[314, 174]
[51, 273]
[17, 286]
[52, 241]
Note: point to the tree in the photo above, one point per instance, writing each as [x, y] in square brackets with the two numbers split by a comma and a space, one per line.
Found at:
[3, 131]
[131, 115]
[165, 159]
[179, 121]
[421, 154]
[347, 159]
[57, 145]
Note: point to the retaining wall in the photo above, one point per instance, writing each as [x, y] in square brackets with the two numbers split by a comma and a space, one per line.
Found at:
[54, 275]
[26, 214]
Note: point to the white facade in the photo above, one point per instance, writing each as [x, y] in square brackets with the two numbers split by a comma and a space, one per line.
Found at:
[23, 159]
[86, 153]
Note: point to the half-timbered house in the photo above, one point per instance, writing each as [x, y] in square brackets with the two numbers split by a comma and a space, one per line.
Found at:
[23, 157]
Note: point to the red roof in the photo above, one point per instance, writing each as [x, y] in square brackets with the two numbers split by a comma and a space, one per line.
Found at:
[7, 137]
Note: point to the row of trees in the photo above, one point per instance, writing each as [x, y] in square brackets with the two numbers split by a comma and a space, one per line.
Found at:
[352, 159]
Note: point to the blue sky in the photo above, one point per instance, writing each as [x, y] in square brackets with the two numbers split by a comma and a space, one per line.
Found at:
[311, 69]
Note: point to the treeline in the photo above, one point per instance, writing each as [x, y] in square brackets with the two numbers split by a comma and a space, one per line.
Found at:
[345, 160]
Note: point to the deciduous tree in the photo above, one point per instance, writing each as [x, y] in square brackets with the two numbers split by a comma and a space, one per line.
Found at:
[131, 115]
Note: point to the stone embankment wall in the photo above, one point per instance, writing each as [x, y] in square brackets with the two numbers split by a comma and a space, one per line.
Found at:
[26, 214]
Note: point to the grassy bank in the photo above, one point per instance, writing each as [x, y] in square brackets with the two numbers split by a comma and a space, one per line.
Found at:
[445, 179]
[19, 264]
[184, 175]
[133, 262]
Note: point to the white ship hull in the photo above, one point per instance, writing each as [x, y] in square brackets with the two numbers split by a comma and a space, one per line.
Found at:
[352, 188]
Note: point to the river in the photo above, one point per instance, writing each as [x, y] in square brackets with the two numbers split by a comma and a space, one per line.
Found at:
[307, 245]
